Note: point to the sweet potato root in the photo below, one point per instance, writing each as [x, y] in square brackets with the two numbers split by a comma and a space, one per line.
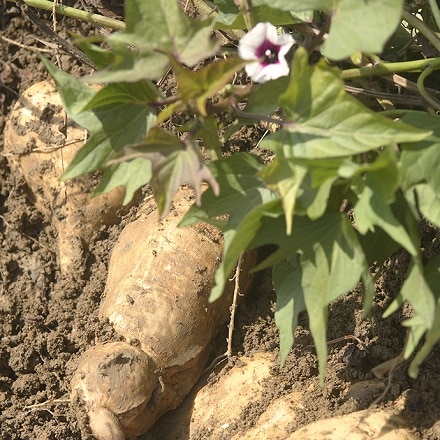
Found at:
[156, 297]
[39, 143]
[214, 410]
[360, 425]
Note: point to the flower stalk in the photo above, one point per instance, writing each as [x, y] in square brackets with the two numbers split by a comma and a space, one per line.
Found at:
[390, 68]
[245, 7]
[68, 11]
[435, 12]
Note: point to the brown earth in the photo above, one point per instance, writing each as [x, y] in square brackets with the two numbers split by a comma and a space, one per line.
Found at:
[47, 320]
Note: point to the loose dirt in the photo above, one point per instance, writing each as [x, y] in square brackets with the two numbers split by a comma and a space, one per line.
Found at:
[47, 320]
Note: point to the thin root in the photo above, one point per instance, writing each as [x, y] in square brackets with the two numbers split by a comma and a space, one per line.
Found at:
[224, 356]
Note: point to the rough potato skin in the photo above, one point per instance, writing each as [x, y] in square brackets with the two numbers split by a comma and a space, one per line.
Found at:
[180, 266]
[156, 296]
[40, 142]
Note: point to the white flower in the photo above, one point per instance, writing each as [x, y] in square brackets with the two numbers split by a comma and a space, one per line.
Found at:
[268, 49]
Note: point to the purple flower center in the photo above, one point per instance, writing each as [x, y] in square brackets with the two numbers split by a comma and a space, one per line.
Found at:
[268, 52]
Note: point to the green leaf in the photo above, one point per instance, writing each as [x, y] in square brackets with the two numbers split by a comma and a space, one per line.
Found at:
[369, 24]
[298, 5]
[333, 235]
[121, 125]
[208, 132]
[304, 234]
[419, 168]
[113, 124]
[327, 247]
[432, 277]
[153, 29]
[75, 95]
[263, 99]
[418, 293]
[286, 277]
[285, 177]
[369, 291]
[142, 92]
[383, 162]
[378, 246]
[376, 193]
[325, 278]
[230, 17]
[323, 121]
[237, 241]
[315, 199]
[420, 161]
[241, 191]
[205, 83]
[92, 47]
[130, 66]
[133, 174]
[317, 187]
[174, 163]
[431, 339]
[372, 210]
[242, 202]
[163, 25]
[303, 185]
[428, 202]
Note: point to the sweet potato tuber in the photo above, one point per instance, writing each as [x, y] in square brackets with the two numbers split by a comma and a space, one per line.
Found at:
[214, 410]
[39, 143]
[360, 425]
[156, 297]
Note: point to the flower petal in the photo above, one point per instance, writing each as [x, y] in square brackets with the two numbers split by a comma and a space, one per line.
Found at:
[247, 51]
[285, 40]
[254, 70]
[261, 74]
[271, 33]
[284, 48]
[268, 49]
[249, 44]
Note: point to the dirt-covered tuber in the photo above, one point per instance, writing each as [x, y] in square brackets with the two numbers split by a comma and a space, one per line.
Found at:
[39, 144]
[156, 297]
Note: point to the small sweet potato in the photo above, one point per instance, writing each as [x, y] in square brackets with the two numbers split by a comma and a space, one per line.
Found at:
[156, 297]
[39, 144]
[360, 425]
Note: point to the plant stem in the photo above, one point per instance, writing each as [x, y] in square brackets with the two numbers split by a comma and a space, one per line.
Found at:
[76, 13]
[245, 7]
[254, 116]
[426, 31]
[204, 9]
[435, 12]
[389, 68]
[421, 86]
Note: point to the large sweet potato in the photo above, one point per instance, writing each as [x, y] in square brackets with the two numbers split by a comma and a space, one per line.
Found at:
[216, 409]
[156, 297]
[39, 143]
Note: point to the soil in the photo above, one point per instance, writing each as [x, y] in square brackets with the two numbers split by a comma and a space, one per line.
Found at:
[47, 320]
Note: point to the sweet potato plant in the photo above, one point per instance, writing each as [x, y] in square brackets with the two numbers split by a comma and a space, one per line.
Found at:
[354, 139]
